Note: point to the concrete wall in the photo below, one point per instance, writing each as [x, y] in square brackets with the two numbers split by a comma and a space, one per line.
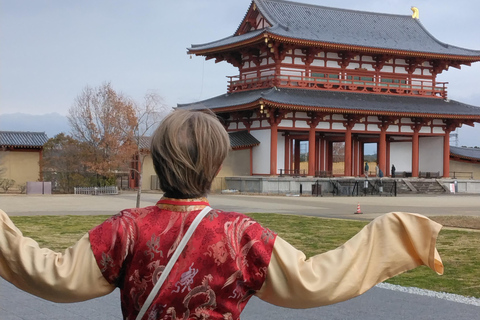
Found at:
[148, 172]
[237, 163]
[21, 166]
[464, 170]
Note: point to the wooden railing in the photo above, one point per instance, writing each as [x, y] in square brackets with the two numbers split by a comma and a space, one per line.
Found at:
[332, 81]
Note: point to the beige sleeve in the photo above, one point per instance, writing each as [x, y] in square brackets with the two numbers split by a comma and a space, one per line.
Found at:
[388, 246]
[69, 277]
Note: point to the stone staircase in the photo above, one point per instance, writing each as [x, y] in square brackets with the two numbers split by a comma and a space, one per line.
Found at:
[419, 186]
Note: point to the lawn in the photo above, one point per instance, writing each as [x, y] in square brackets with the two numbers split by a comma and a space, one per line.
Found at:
[459, 248]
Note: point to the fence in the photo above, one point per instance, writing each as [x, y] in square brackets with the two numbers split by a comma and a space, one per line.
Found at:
[96, 190]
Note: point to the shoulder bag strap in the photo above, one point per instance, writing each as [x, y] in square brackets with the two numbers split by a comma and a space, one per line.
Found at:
[172, 261]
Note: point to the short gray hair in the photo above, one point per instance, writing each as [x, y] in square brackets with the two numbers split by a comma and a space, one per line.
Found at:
[188, 149]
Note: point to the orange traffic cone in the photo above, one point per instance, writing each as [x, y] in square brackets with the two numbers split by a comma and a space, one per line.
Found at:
[358, 209]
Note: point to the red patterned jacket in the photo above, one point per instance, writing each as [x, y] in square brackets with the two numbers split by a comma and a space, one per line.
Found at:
[221, 267]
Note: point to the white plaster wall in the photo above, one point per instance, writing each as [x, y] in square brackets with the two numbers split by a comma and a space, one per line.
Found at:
[288, 60]
[425, 130]
[323, 125]
[392, 128]
[338, 126]
[286, 123]
[400, 70]
[261, 155]
[332, 64]
[401, 155]
[255, 124]
[318, 63]
[373, 127]
[437, 121]
[241, 125]
[299, 61]
[406, 120]
[338, 117]
[301, 124]
[406, 129]
[431, 154]
[359, 127]
[438, 130]
[387, 69]
[267, 73]
[232, 126]
[301, 115]
[332, 55]
[280, 152]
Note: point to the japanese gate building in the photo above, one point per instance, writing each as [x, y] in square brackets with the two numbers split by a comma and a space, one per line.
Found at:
[326, 75]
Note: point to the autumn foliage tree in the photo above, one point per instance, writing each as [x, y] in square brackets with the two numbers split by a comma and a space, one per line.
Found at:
[113, 129]
[104, 121]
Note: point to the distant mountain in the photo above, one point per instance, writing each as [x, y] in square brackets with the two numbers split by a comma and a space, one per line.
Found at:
[50, 123]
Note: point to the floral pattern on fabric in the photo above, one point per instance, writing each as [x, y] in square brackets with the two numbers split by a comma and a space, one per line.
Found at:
[221, 267]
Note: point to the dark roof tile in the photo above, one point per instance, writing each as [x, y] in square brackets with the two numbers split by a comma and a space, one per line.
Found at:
[466, 153]
[24, 139]
[349, 27]
[356, 102]
[242, 139]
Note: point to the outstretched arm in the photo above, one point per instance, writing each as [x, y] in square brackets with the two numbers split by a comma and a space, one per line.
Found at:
[388, 246]
[71, 276]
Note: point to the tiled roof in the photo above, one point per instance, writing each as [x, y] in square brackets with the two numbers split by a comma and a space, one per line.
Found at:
[347, 27]
[242, 139]
[329, 101]
[145, 142]
[465, 153]
[22, 139]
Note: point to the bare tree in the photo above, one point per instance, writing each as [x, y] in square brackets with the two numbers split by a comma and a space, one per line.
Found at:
[105, 121]
[148, 115]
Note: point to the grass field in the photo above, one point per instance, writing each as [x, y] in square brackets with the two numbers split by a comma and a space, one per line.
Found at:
[459, 248]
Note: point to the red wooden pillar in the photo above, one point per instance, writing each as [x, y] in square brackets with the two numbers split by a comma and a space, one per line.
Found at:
[273, 148]
[311, 151]
[348, 151]
[446, 154]
[296, 166]
[287, 153]
[387, 172]
[382, 150]
[356, 158]
[330, 156]
[322, 154]
[317, 154]
[415, 152]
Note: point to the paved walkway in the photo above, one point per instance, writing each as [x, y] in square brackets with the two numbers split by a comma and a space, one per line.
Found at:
[378, 303]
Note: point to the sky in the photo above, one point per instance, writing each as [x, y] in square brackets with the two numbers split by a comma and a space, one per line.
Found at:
[51, 49]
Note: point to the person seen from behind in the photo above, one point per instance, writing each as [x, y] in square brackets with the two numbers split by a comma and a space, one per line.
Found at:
[230, 256]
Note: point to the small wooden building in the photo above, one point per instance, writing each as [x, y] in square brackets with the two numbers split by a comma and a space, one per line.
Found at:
[325, 75]
[20, 155]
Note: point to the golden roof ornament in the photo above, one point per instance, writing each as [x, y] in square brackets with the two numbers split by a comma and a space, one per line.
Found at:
[415, 12]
